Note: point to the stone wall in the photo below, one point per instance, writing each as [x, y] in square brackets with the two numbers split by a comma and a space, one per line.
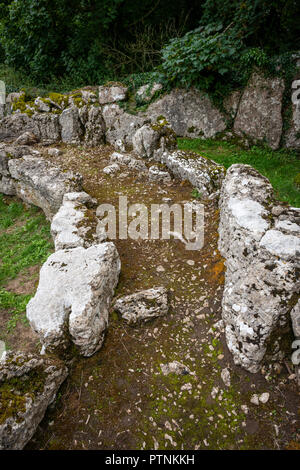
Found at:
[96, 116]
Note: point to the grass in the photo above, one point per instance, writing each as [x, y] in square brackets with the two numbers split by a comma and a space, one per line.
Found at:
[280, 166]
[25, 241]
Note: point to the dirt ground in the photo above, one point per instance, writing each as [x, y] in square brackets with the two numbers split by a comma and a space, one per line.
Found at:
[119, 398]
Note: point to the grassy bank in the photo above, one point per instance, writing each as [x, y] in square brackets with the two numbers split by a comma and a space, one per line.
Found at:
[25, 243]
[280, 167]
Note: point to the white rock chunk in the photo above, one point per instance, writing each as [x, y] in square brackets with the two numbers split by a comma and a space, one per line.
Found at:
[73, 297]
[175, 367]
[144, 305]
[75, 224]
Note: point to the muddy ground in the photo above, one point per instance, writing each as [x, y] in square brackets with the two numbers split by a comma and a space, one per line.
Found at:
[119, 398]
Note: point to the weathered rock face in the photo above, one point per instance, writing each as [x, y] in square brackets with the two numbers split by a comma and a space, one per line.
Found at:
[292, 139]
[259, 112]
[261, 244]
[295, 315]
[152, 137]
[7, 152]
[146, 92]
[28, 384]
[11, 127]
[231, 103]
[38, 182]
[75, 308]
[112, 94]
[203, 174]
[127, 160]
[190, 113]
[71, 127]
[46, 127]
[155, 174]
[120, 126]
[94, 127]
[143, 306]
[28, 138]
[75, 224]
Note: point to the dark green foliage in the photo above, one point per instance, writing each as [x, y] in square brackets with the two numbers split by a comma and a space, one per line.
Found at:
[201, 57]
[72, 43]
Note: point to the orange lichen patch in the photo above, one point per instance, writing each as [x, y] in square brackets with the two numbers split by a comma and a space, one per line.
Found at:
[293, 446]
[217, 272]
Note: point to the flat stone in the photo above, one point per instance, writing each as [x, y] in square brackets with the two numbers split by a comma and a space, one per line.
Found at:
[144, 305]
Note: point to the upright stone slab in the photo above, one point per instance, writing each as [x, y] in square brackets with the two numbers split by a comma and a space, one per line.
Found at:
[259, 111]
[260, 240]
[190, 113]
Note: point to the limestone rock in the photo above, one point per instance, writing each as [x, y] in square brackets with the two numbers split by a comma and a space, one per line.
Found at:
[120, 126]
[202, 173]
[28, 384]
[75, 224]
[151, 138]
[75, 308]
[54, 152]
[7, 186]
[175, 367]
[112, 94]
[39, 182]
[261, 277]
[71, 127]
[157, 175]
[146, 92]
[94, 127]
[41, 105]
[295, 315]
[127, 160]
[12, 126]
[144, 305]
[111, 169]
[190, 113]
[225, 376]
[259, 112]
[28, 138]
[46, 127]
[7, 152]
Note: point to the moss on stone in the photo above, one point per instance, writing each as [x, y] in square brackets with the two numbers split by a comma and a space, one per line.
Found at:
[15, 392]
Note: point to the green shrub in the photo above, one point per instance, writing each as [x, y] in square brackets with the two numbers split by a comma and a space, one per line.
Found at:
[201, 57]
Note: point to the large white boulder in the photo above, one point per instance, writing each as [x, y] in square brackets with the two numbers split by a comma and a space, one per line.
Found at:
[73, 298]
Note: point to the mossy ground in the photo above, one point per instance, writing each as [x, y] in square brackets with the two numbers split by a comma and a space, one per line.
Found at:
[119, 398]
